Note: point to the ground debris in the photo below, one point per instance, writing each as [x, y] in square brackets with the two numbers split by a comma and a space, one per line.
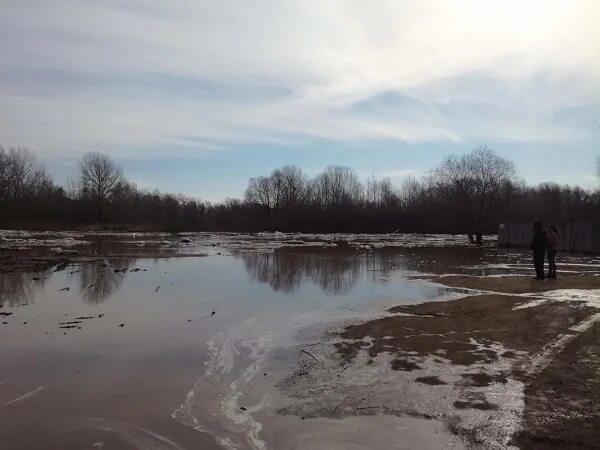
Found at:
[309, 354]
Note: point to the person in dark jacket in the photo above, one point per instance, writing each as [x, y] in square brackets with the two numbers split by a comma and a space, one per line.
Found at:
[551, 250]
[538, 245]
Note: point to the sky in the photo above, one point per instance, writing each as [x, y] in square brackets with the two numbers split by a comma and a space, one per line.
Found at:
[196, 96]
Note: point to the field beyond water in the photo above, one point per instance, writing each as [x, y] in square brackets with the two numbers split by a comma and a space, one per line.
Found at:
[293, 341]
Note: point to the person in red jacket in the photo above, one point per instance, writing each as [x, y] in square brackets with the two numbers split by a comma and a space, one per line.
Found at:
[552, 248]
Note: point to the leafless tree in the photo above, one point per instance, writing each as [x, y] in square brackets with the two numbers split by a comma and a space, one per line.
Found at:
[20, 174]
[284, 188]
[3, 175]
[289, 186]
[260, 192]
[477, 180]
[99, 179]
[479, 184]
[387, 192]
[380, 192]
[72, 189]
[410, 191]
[336, 186]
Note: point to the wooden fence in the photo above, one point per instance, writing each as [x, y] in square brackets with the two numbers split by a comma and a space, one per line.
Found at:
[577, 236]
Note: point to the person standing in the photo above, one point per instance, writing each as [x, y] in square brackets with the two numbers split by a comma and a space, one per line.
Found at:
[538, 245]
[551, 250]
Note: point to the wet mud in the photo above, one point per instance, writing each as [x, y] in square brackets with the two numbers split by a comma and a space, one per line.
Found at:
[562, 404]
[502, 369]
[515, 285]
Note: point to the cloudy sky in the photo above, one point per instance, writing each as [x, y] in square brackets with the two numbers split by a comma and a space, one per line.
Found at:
[196, 96]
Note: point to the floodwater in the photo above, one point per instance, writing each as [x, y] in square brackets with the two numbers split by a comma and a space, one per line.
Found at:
[190, 352]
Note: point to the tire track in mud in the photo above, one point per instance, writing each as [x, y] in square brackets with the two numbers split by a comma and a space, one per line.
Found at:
[543, 360]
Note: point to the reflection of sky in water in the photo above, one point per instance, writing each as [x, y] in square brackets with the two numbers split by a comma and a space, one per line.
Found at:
[297, 278]
[178, 316]
[163, 296]
[249, 281]
[166, 308]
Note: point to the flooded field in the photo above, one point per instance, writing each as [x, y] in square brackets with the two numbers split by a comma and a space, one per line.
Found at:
[181, 341]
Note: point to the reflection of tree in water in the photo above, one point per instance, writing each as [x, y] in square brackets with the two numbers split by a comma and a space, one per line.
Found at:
[334, 270]
[98, 280]
[444, 260]
[17, 289]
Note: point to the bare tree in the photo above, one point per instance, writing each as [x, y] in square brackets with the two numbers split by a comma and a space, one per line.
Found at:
[371, 190]
[3, 175]
[380, 192]
[410, 191]
[477, 180]
[465, 194]
[289, 186]
[337, 186]
[99, 179]
[20, 174]
[387, 193]
[284, 188]
[72, 188]
[260, 192]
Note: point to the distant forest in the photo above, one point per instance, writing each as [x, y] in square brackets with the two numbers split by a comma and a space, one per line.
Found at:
[468, 193]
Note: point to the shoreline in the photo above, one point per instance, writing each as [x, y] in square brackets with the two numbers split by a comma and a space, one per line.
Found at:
[461, 370]
[470, 363]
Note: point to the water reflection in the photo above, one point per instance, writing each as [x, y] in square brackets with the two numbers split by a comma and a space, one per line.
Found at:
[17, 289]
[97, 281]
[334, 271]
[101, 279]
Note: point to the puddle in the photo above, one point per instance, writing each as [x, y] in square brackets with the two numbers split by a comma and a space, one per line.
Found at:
[136, 348]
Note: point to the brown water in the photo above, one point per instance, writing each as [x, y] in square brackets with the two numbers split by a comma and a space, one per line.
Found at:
[165, 353]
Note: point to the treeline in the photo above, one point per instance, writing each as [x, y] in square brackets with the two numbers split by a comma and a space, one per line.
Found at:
[464, 194]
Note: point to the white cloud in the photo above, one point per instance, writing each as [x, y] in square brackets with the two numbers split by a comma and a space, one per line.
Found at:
[475, 70]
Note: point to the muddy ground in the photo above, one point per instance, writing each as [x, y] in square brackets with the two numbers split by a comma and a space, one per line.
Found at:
[498, 369]
[516, 285]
